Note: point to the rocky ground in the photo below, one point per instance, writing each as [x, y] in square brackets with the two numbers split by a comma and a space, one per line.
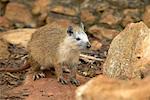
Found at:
[103, 20]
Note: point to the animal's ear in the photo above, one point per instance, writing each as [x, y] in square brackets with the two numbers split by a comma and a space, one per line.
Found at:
[70, 30]
[82, 25]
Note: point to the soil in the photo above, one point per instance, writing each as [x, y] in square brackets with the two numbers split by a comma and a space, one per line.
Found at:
[14, 86]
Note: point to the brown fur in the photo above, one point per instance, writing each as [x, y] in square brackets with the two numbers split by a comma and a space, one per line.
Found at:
[51, 46]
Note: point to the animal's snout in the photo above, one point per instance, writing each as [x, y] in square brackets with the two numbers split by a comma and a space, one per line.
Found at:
[88, 45]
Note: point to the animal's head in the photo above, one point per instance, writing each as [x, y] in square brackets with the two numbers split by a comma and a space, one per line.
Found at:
[79, 35]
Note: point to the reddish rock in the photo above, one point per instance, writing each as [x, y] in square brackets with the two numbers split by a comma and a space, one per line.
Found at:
[109, 18]
[96, 45]
[87, 16]
[100, 7]
[103, 88]
[17, 12]
[18, 36]
[146, 16]
[64, 10]
[129, 52]
[131, 11]
[130, 16]
[126, 20]
[4, 53]
[100, 32]
[4, 22]
[41, 8]
[63, 22]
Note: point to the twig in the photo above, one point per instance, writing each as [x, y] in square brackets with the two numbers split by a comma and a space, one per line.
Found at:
[13, 76]
[90, 57]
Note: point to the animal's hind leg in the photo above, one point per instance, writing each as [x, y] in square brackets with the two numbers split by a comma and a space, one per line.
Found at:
[35, 70]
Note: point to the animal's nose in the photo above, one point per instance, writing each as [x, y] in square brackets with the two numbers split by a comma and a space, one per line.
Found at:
[88, 45]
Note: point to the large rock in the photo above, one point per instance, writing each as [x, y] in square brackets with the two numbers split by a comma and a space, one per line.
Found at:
[41, 6]
[4, 53]
[110, 18]
[96, 45]
[4, 22]
[146, 15]
[103, 88]
[18, 12]
[130, 16]
[87, 16]
[129, 53]
[18, 36]
[41, 9]
[100, 32]
[64, 10]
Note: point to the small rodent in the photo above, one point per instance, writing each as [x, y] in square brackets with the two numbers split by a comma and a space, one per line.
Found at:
[56, 46]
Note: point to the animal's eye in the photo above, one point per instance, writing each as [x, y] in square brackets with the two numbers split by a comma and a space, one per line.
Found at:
[70, 31]
[78, 39]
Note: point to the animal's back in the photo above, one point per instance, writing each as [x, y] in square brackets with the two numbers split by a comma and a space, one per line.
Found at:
[44, 44]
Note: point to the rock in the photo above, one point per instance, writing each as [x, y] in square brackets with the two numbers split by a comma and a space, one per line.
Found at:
[146, 15]
[4, 53]
[41, 8]
[130, 16]
[101, 7]
[87, 16]
[104, 88]
[96, 45]
[63, 22]
[109, 18]
[122, 3]
[127, 20]
[129, 52]
[17, 12]
[18, 36]
[64, 10]
[4, 22]
[127, 3]
[100, 32]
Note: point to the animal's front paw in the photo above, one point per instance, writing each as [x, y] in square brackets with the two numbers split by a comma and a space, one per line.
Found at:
[38, 75]
[74, 81]
[62, 80]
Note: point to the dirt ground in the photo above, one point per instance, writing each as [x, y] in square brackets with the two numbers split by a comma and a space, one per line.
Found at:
[14, 86]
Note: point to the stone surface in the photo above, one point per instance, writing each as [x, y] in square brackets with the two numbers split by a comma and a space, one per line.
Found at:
[100, 32]
[4, 22]
[87, 16]
[126, 20]
[96, 45]
[4, 53]
[18, 36]
[146, 16]
[51, 20]
[129, 52]
[64, 10]
[109, 18]
[101, 7]
[130, 16]
[18, 12]
[41, 6]
[41, 9]
[103, 88]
